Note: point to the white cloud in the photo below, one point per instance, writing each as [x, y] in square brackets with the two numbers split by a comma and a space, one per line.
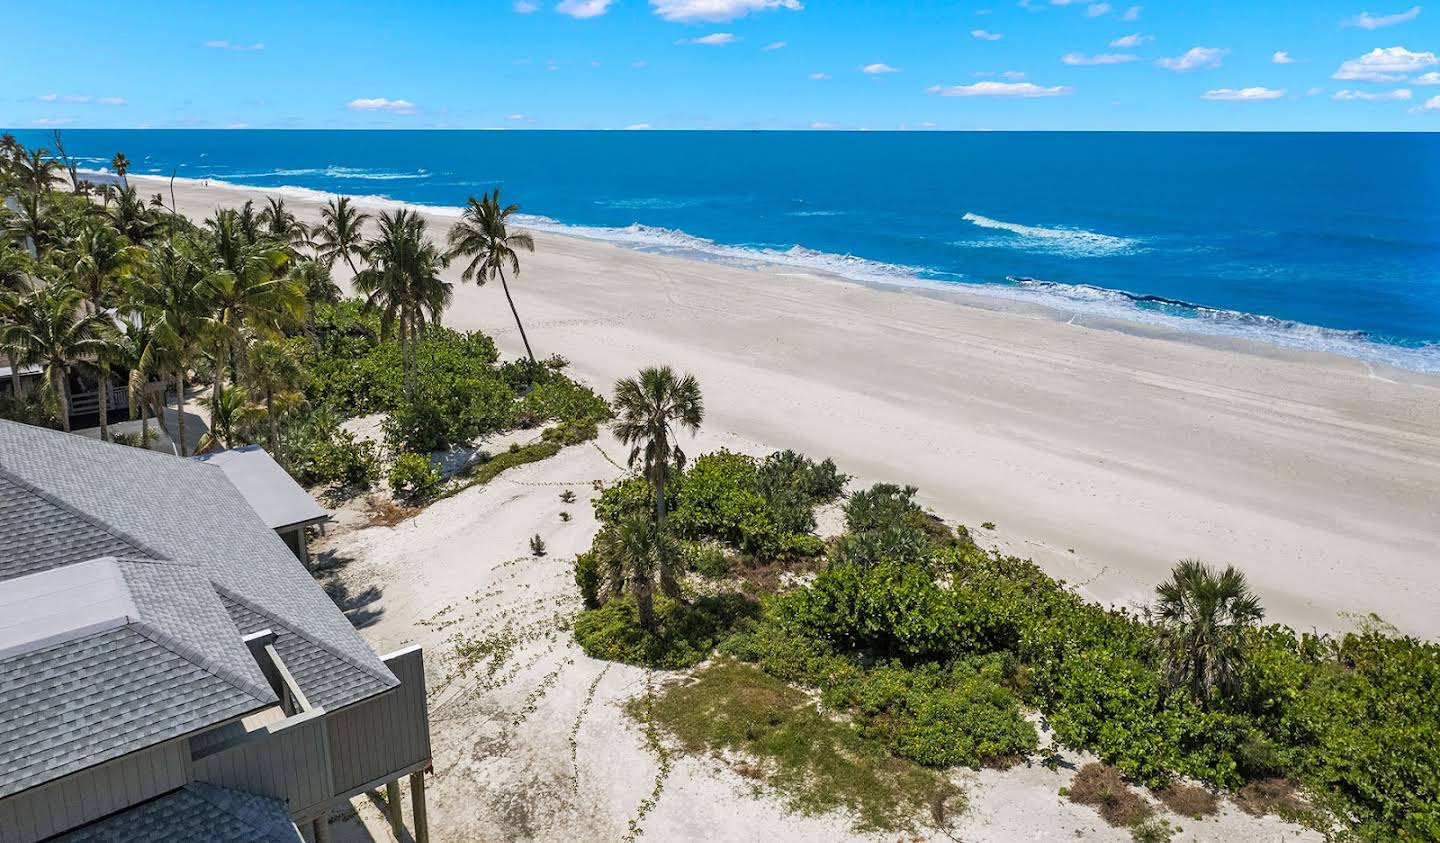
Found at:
[1375, 96]
[1014, 75]
[1388, 64]
[226, 45]
[984, 35]
[1282, 57]
[1195, 58]
[583, 8]
[1129, 42]
[714, 39]
[1432, 104]
[1431, 78]
[879, 67]
[1365, 20]
[381, 104]
[110, 100]
[82, 99]
[1023, 90]
[1095, 10]
[772, 47]
[47, 97]
[1132, 13]
[1078, 59]
[525, 7]
[1244, 94]
[715, 11]
[817, 76]
[635, 127]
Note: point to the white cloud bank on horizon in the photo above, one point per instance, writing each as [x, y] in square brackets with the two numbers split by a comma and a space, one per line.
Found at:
[878, 68]
[1022, 90]
[1195, 58]
[717, 11]
[1384, 64]
[1081, 60]
[1365, 20]
[1396, 95]
[583, 9]
[381, 104]
[1255, 94]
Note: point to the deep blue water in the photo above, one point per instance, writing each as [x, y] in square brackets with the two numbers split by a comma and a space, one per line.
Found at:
[1327, 241]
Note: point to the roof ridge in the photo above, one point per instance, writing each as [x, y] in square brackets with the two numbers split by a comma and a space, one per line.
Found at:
[201, 660]
[293, 629]
[87, 517]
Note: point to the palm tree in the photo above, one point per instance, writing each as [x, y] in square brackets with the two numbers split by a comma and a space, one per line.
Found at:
[339, 233]
[282, 228]
[245, 292]
[120, 164]
[47, 328]
[231, 418]
[481, 235]
[172, 295]
[95, 259]
[313, 277]
[29, 223]
[249, 223]
[16, 270]
[135, 339]
[1201, 616]
[132, 217]
[275, 373]
[37, 169]
[403, 281]
[633, 552]
[647, 409]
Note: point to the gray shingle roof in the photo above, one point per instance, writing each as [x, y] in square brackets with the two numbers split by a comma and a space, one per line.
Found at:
[186, 510]
[37, 532]
[197, 811]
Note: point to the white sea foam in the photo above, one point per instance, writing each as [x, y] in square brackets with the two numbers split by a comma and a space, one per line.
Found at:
[1075, 242]
[334, 173]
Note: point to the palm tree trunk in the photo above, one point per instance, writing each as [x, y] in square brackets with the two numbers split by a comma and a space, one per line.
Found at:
[102, 396]
[180, 409]
[274, 427]
[644, 598]
[57, 383]
[660, 496]
[407, 360]
[516, 314]
[144, 417]
[14, 374]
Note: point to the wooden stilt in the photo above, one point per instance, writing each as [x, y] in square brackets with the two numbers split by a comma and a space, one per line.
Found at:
[397, 810]
[417, 807]
[321, 829]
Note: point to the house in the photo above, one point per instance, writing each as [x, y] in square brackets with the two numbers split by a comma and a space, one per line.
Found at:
[280, 502]
[169, 670]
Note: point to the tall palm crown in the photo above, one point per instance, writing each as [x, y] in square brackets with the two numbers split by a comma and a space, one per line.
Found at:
[648, 410]
[245, 289]
[37, 169]
[482, 235]
[340, 234]
[275, 374]
[281, 227]
[132, 217]
[1201, 617]
[403, 281]
[172, 294]
[120, 164]
[47, 328]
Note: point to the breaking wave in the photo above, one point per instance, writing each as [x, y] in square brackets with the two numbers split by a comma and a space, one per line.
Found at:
[1074, 242]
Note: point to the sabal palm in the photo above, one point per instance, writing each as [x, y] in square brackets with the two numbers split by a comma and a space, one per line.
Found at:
[340, 234]
[48, 328]
[275, 374]
[634, 552]
[482, 235]
[1201, 616]
[172, 295]
[403, 282]
[648, 411]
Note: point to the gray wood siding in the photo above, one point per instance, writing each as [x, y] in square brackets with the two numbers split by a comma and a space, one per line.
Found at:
[90, 794]
[384, 735]
[287, 760]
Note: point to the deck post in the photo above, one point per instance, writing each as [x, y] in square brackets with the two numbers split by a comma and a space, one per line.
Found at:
[396, 809]
[417, 807]
[320, 829]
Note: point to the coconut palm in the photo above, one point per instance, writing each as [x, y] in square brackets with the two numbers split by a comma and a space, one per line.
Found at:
[172, 296]
[248, 222]
[120, 164]
[232, 417]
[132, 217]
[648, 409]
[137, 334]
[95, 260]
[403, 282]
[482, 236]
[48, 328]
[634, 552]
[16, 270]
[1201, 616]
[275, 374]
[314, 279]
[339, 234]
[245, 292]
[281, 227]
[30, 223]
[37, 169]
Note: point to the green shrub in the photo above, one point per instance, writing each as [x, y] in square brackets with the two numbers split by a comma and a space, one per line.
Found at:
[319, 451]
[721, 498]
[413, 478]
[629, 496]
[817, 482]
[685, 632]
[486, 471]
[707, 559]
[557, 398]
[587, 579]
[889, 609]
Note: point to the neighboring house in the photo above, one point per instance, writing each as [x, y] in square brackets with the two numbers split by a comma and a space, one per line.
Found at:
[169, 671]
[281, 503]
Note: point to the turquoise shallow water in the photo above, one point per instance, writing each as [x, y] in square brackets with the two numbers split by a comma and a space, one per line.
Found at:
[1319, 241]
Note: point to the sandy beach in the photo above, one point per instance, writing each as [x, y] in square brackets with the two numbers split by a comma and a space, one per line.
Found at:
[1104, 451]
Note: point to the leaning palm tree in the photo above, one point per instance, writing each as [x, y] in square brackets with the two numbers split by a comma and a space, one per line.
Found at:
[48, 328]
[403, 282]
[648, 409]
[275, 373]
[634, 552]
[339, 234]
[172, 296]
[482, 236]
[1201, 616]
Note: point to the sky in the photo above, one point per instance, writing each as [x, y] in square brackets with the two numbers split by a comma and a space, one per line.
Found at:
[1262, 65]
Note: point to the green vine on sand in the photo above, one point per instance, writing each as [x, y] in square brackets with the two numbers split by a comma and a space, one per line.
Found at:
[575, 729]
[652, 740]
[539, 691]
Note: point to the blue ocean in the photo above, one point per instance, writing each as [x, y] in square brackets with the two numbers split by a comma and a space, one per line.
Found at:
[1316, 241]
